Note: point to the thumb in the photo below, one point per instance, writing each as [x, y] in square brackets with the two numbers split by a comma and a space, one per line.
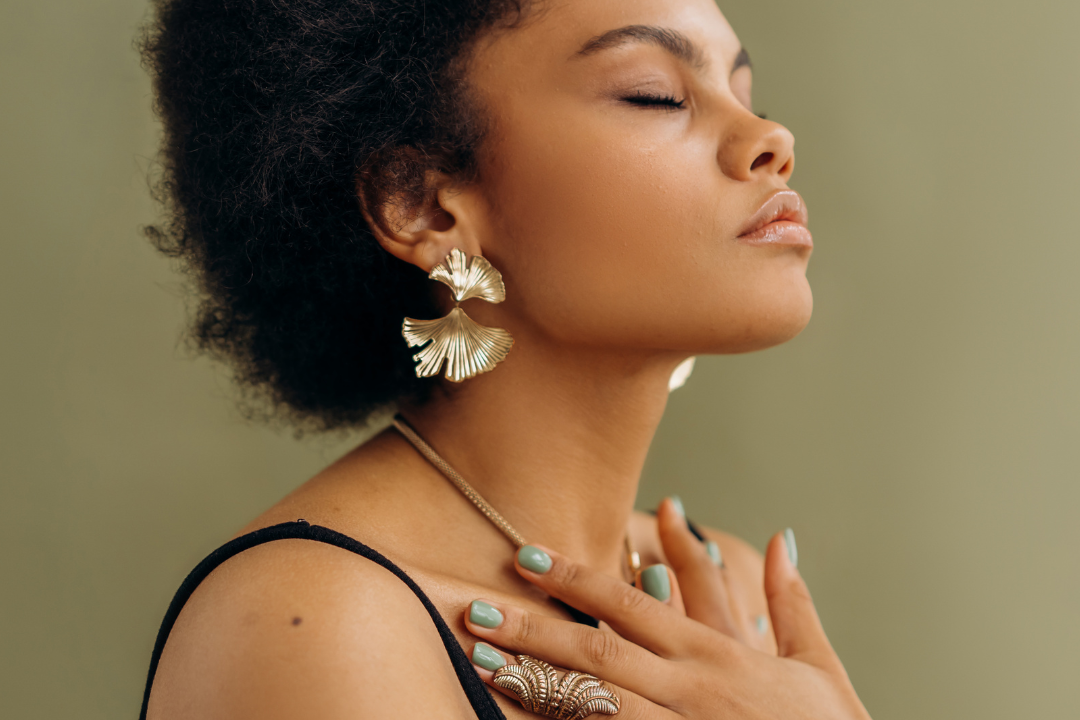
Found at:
[798, 630]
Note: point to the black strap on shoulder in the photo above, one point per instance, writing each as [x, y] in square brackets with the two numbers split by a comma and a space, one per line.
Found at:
[482, 702]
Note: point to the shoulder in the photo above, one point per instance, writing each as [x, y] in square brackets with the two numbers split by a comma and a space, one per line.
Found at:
[295, 628]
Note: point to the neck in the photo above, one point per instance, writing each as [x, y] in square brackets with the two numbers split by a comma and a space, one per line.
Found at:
[556, 444]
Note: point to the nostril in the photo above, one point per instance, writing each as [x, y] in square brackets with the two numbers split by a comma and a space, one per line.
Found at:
[763, 159]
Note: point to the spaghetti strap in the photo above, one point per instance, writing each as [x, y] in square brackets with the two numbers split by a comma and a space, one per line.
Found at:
[479, 697]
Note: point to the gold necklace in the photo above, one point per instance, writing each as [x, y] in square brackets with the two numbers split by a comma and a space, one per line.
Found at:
[633, 559]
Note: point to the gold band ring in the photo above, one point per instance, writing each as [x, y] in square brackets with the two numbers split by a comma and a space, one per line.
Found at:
[538, 687]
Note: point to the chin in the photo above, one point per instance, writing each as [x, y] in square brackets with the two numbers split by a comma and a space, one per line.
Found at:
[767, 323]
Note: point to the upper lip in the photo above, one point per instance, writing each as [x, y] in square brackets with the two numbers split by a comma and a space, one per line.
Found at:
[781, 205]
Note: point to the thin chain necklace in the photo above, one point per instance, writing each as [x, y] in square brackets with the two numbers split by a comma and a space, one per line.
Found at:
[633, 560]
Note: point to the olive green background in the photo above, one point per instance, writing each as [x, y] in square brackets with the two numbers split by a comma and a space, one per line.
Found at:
[920, 436]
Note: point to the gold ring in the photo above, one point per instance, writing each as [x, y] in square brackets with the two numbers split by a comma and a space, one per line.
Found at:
[538, 687]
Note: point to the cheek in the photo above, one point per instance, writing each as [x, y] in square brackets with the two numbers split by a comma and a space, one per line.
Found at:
[621, 240]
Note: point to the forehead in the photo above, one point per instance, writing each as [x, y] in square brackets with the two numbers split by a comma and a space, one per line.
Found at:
[558, 29]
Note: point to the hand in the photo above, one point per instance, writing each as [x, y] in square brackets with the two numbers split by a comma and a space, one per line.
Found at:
[702, 588]
[665, 665]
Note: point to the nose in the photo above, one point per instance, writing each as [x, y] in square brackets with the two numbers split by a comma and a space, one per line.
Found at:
[754, 147]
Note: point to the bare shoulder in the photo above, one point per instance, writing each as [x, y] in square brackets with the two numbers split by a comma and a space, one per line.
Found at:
[296, 628]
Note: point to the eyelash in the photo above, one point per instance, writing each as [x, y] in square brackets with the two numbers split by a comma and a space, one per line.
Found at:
[665, 101]
[668, 101]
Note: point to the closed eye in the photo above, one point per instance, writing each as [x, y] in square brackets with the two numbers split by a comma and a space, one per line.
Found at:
[666, 101]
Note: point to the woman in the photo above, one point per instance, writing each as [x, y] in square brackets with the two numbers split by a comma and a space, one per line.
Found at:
[323, 158]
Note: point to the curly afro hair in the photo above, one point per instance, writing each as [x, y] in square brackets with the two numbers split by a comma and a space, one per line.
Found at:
[273, 110]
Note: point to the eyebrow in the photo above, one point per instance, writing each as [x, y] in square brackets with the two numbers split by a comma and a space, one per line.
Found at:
[670, 40]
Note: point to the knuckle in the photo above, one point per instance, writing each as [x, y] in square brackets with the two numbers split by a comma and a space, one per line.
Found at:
[631, 601]
[713, 650]
[600, 648]
[797, 590]
[566, 575]
[792, 590]
[526, 632]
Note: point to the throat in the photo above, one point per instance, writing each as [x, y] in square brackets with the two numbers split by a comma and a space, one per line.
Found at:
[557, 464]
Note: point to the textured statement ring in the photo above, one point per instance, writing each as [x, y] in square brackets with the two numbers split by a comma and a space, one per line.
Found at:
[540, 690]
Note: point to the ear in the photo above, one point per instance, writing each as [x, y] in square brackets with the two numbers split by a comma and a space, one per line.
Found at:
[422, 228]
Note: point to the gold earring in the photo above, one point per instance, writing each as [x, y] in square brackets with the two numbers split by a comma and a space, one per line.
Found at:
[467, 347]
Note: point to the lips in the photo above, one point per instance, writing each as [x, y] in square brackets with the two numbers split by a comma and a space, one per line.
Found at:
[781, 220]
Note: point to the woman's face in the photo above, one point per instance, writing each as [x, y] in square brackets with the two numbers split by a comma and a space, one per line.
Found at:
[623, 168]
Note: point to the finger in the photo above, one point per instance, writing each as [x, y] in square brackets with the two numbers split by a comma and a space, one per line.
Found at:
[631, 613]
[486, 660]
[567, 644]
[798, 630]
[631, 705]
[659, 582]
[705, 593]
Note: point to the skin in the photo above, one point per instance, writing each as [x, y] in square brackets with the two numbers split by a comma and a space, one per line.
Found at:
[668, 665]
[614, 222]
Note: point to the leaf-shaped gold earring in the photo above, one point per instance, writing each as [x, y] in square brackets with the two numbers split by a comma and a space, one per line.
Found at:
[467, 347]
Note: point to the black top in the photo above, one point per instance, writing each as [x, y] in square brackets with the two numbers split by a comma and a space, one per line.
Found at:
[479, 697]
[482, 702]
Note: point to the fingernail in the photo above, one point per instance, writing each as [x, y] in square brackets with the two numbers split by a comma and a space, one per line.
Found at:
[484, 615]
[762, 624]
[655, 581]
[677, 502]
[485, 656]
[792, 548]
[534, 559]
[714, 553]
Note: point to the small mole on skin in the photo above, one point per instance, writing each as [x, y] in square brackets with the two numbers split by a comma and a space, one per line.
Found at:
[297, 620]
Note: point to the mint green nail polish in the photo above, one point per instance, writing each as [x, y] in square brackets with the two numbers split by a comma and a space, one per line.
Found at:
[714, 553]
[762, 624]
[677, 502]
[792, 548]
[484, 615]
[485, 656]
[655, 581]
[534, 559]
